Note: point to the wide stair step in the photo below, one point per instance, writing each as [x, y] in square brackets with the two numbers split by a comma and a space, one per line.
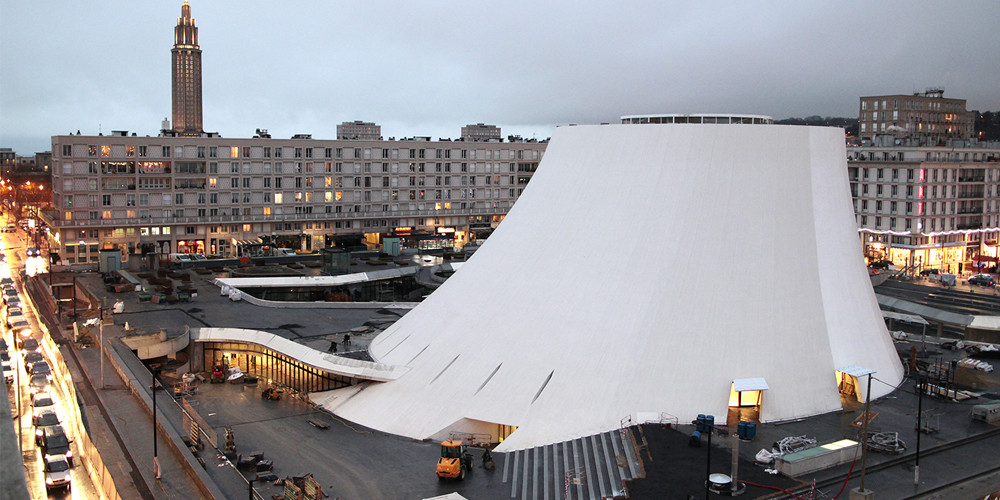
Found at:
[592, 467]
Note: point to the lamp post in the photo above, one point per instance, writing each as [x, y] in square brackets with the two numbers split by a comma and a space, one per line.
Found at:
[156, 461]
[707, 424]
[921, 381]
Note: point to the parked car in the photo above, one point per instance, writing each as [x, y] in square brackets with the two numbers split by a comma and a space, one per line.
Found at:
[10, 228]
[881, 264]
[928, 272]
[8, 372]
[982, 280]
[55, 442]
[57, 472]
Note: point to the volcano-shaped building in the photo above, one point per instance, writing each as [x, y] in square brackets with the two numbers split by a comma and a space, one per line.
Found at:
[682, 269]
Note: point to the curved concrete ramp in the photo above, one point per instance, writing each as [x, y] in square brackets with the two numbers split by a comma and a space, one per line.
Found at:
[363, 370]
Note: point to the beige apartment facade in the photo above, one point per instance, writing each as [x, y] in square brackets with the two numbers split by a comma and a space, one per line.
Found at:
[929, 116]
[928, 207]
[155, 196]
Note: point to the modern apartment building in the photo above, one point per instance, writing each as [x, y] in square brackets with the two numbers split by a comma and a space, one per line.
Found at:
[162, 195]
[480, 132]
[359, 131]
[920, 206]
[926, 193]
[928, 116]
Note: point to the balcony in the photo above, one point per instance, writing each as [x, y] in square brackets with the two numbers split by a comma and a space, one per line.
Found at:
[241, 219]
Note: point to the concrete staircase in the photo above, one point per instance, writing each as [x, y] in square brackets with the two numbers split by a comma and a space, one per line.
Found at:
[591, 467]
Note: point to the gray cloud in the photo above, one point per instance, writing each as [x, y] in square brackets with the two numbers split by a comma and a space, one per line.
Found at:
[428, 68]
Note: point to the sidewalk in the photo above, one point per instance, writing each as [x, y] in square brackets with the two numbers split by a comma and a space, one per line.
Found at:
[121, 426]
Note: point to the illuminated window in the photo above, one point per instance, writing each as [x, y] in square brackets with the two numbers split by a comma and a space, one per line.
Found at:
[278, 198]
[69, 215]
[267, 210]
[129, 150]
[328, 196]
[246, 228]
[130, 214]
[213, 182]
[234, 152]
[309, 196]
[338, 195]
[106, 214]
[166, 230]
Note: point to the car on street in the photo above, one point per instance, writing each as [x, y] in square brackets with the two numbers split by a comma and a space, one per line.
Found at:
[28, 344]
[45, 420]
[982, 280]
[32, 252]
[10, 294]
[3, 344]
[39, 383]
[21, 329]
[57, 472]
[928, 272]
[31, 358]
[10, 228]
[42, 368]
[881, 264]
[55, 442]
[14, 314]
[4, 356]
[8, 372]
[41, 402]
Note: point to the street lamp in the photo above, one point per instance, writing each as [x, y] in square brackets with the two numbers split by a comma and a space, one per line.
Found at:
[156, 462]
[706, 424]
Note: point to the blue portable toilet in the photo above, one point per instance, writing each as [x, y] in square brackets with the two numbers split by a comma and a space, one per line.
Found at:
[695, 440]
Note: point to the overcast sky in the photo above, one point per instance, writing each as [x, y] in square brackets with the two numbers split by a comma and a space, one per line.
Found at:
[428, 68]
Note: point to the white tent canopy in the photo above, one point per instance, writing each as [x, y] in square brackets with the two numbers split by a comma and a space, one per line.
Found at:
[644, 266]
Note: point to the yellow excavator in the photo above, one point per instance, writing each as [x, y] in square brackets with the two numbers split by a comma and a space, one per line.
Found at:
[455, 461]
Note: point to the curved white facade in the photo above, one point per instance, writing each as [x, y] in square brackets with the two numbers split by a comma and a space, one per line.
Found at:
[643, 270]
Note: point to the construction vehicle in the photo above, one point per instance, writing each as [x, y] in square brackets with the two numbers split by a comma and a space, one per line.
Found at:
[218, 374]
[455, 460]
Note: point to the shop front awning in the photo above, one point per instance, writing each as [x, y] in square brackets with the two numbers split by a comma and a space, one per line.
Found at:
[749, 384]
[856, 371]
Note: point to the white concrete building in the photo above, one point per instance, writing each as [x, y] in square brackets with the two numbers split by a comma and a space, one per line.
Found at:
[543, 337]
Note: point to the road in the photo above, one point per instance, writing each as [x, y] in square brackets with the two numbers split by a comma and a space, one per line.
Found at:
[82, 486]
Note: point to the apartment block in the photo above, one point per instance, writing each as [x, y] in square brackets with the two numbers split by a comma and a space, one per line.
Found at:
[927, 207]
[162, 195]
[928, 116]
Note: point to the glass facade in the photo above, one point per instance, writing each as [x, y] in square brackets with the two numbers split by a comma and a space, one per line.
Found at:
[272, 367]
